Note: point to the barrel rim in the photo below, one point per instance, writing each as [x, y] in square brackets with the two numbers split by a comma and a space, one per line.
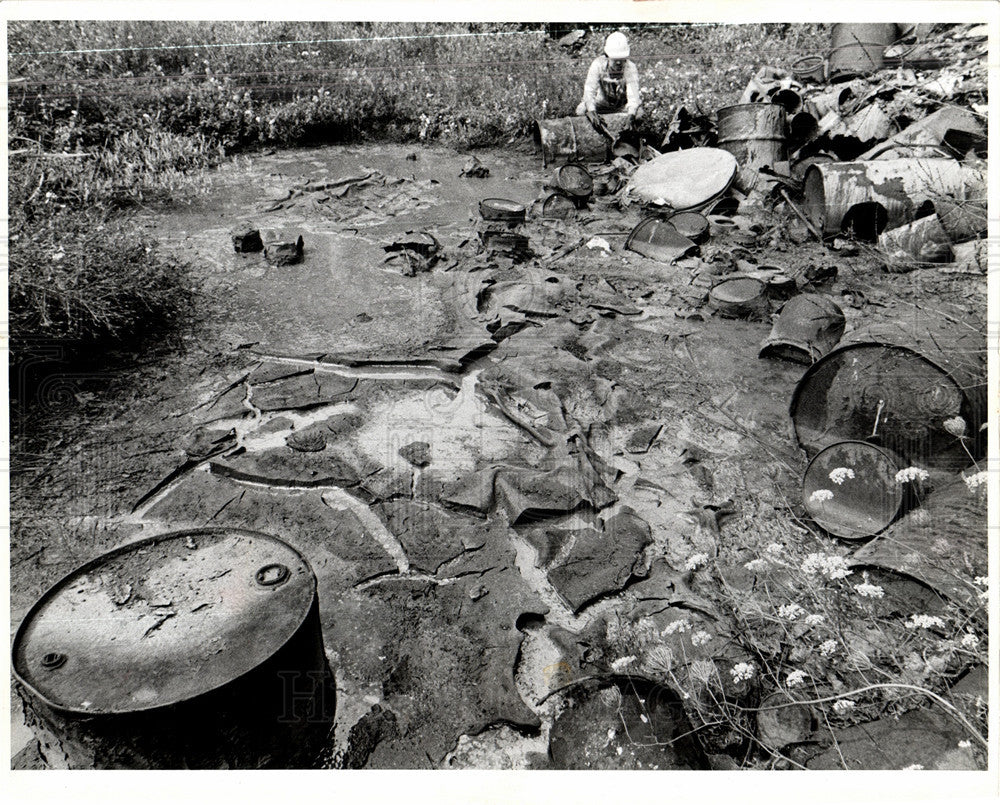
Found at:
[797, 391]
[890, 454]
[126, 548]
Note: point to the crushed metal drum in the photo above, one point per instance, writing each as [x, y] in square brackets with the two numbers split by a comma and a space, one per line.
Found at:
[558, 205]
[808, 326]
[754, 133]
[899, 382]
[850, 489]
[193, 649]
[921, 243]
[502, 209]
[684, 180]
[870, 197]
[739, 297]
[659, 240]
[692, 225]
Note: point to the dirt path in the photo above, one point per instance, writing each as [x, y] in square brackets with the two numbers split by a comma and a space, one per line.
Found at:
[490, 466]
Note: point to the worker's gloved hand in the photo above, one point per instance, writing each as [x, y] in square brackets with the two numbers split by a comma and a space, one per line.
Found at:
[595, 119]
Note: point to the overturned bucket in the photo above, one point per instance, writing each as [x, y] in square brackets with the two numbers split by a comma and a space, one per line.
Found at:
[570, 138]
[575, 181]
[808, 326]
[910, 384]
[194, 649]
[754, 133]
[850, 489]
[558, 205]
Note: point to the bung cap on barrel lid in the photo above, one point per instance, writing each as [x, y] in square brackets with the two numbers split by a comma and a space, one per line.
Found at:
[163, 620]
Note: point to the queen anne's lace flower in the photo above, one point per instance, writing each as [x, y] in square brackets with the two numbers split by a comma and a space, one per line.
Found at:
[828, 647]
[973, 482]
[924, 622]
[815, 619]
[911, 474]
[790, 611]
[841, 474]
[755, 564]
[830, 565]
[866, 590]
[843, 706]
[821, 496]
[700, 638]
[970, 640]
[743, 672]
[695, 561]
[795, 678]
[775, 548]
[622, 663]
[679, 625]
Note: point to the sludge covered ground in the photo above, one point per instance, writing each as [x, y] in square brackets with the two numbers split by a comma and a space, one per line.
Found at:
[553, 505]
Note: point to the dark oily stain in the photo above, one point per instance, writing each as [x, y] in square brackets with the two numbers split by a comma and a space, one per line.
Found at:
[306, 391]
[624, 725]
[602, 562]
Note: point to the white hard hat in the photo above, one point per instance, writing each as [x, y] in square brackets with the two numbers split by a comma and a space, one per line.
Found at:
[616, 46]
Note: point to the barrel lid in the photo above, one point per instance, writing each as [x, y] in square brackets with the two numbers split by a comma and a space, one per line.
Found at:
[738, 290]
[850, 489]
[685, 180]
[501, 209]
[162, 620]
[575, 180]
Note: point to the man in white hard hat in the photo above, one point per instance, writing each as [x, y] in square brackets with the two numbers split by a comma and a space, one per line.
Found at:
[612, 83]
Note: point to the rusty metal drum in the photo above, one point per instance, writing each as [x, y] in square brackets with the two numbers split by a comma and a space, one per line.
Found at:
[900, 382]
[808, 326]
[739, 297]
[193, 649]
[569, 138]
[502, 209]
[858, 49]
[754, 133]
[850, 489]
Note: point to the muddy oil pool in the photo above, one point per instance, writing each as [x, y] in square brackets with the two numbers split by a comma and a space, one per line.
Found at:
[493, 466]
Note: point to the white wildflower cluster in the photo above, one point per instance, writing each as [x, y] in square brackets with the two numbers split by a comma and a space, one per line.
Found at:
[911, 474]
[955, 426]
[974, 482]
[828, 648]
[815, 619]
[659, 658]
[969, 640]
[790, 611]
[821, 496]
[695, 561]
[775, 549]
[679, 625]
[841, 474]
[866, 590]
[981, 581]
[743, 672]
[755, 564]
[795, 678]
[924, 622]
[830, 565]
[622, 663]
[843, 706]
[700, 638]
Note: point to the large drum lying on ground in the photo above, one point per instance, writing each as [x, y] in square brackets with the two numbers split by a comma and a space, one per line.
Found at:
[195, 649]
[565, 139]
[911, 386]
